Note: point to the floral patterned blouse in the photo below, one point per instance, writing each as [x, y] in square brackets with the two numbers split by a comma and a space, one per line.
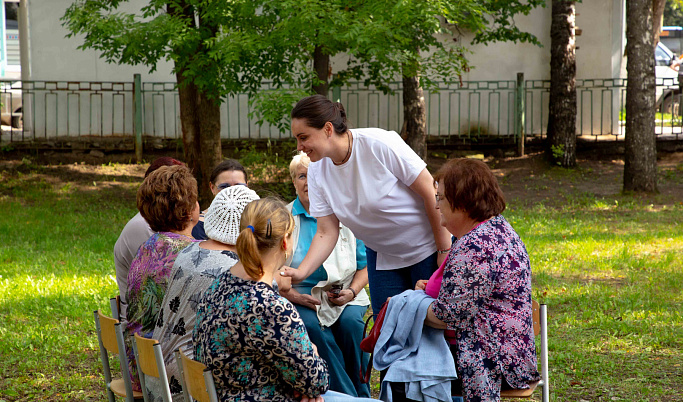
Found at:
[256, 344]
[485, 297]
[147, 281]
[193, 272]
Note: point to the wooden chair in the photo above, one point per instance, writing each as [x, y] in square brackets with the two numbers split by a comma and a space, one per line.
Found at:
[110, 338]
[540, 317]
[196, 378]
[150, 361]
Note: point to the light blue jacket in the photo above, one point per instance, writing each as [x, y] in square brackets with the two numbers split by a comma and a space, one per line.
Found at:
[414, 353]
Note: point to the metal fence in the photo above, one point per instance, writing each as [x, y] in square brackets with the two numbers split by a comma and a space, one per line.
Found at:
[469, 111]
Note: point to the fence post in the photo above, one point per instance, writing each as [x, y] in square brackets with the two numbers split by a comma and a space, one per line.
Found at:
[520, 110]
[336, 94]
[137, 107]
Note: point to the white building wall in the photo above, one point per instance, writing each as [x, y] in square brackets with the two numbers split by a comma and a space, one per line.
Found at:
[56, 58]
[488, 110]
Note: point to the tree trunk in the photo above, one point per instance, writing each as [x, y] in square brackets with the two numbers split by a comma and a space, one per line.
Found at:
[210, 151]
[562, 117]
[658, 14]
[640, 169]
[414, 112]
[199, 118]
[321, 65]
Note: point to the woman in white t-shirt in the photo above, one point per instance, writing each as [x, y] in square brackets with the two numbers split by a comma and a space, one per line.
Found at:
[372, 182]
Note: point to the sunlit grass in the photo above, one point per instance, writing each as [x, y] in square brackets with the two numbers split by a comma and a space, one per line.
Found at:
[610, 270]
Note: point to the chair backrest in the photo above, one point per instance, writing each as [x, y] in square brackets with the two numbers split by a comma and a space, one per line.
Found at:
[197, 379]
[145, 355]
[108, 332]
[536, 314]
[150, 361]
[110, 338]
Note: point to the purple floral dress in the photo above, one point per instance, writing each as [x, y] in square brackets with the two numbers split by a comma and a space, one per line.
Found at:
[485, 297]
[147, 282]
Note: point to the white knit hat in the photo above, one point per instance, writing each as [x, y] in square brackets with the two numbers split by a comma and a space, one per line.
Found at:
[222, 219]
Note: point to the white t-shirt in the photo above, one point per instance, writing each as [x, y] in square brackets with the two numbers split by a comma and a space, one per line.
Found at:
[370, 195]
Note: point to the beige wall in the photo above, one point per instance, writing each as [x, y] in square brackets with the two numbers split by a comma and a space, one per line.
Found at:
[55, 57]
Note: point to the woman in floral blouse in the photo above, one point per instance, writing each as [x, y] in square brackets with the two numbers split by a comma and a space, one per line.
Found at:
[483, 290]
[167, 199]
[253, 339]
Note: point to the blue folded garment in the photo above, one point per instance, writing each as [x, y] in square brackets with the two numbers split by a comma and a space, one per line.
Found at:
[412, 352]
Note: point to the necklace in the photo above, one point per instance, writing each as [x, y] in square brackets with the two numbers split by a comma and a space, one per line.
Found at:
[348, 152]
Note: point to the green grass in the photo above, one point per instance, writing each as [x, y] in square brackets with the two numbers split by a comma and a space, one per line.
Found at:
[610, 270]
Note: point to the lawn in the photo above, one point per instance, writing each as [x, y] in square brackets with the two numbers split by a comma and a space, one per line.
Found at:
[609, 266]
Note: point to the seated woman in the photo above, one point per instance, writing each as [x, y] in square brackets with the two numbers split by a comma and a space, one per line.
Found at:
[226, 174]
[167, 199]
[334, 320]
[483, 290]
[195, 268]
[136, 232]
[252, 338]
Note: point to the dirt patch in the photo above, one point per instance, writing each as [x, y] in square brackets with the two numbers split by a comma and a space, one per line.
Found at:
[526, 180]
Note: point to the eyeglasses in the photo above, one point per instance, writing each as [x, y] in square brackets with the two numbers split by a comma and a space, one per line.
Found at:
[439, 197]
[223, 186]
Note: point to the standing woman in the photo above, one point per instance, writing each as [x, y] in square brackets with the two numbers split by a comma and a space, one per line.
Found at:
[372, 182]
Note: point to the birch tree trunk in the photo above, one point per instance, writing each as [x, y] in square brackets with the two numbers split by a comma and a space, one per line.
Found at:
[640, 168]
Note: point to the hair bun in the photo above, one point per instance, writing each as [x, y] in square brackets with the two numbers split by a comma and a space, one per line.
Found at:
[340, 107]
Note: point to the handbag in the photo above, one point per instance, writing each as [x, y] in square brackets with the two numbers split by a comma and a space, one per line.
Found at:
[370, 339]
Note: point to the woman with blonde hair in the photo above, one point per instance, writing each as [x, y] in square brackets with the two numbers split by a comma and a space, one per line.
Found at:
[252, 338]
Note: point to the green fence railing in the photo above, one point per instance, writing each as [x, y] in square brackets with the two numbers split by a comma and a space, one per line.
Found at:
[468, 111]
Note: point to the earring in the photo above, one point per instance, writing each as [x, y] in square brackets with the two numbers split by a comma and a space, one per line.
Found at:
[286, 255]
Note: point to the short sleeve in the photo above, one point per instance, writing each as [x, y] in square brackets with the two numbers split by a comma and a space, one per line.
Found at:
[361, 258]
[400, 159]
[318, 204]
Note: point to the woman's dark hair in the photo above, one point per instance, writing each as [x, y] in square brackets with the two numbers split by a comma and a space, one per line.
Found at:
[470, 186]
[271, 222]
[162, 161]
[318, 110]
[167, 198]
[226, 166]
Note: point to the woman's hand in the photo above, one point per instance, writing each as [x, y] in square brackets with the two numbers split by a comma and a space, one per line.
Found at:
[312, 398]
[297, 298]
[344, 296]
[421, 284]
[284, 283]
[305, 398]
[293, 273]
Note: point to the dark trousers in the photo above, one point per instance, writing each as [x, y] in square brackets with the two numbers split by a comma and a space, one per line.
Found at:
[388, 283]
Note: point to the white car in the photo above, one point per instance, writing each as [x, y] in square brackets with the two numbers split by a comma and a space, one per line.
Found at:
[11, 104]
[666, 77]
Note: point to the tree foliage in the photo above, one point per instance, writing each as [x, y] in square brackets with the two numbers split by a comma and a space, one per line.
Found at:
[251, 41]
[673, 13]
